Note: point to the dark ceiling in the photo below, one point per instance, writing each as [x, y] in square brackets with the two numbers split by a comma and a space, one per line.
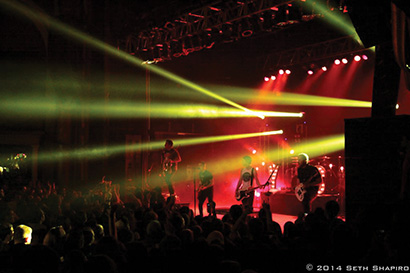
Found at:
[115, 21]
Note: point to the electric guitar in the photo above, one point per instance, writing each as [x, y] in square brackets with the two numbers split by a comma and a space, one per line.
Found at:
[202, 188]
[300, 189]
[241, 194]
[167, 166]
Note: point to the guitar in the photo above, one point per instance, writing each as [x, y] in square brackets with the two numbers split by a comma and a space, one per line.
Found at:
[202, 188]
[300, 189]
[241, 194]
[300, 192]
[167, 166]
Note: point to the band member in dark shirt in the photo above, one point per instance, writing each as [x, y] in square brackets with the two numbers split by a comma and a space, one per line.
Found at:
[206, 188]
[169, 160]
[310, 177]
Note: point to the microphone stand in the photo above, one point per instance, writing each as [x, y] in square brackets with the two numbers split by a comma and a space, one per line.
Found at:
[194, 192]
[267, 181]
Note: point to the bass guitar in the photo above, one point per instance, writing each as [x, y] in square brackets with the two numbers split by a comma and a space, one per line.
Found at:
[241, 194]
[300, 189]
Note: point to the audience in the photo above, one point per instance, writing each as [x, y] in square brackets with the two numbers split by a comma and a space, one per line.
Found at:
[46, 230]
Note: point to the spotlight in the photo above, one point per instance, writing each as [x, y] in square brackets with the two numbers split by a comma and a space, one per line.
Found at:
[324, 68]
[337, 62]
[310, 72]
[364, 57]
[292, 152]
[344, 60]
[287, 71]
[281, 71]
[266, 79]
[254, 151]
[397, 106]
[263, 163]
[273, 78]
[246, 28]
[357, 58]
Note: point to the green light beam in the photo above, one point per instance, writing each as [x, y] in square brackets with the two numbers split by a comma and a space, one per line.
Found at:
[105, 48]
[18, 108]
[244, 95]
[334, 18]
[99, 152]
[315, 147]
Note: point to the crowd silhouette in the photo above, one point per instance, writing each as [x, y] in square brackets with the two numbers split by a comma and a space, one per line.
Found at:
[113, 230]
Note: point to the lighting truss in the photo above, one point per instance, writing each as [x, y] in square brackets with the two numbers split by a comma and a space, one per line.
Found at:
[310, 53]
[207, 22]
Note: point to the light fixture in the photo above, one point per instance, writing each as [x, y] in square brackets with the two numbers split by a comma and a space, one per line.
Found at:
[246, 28]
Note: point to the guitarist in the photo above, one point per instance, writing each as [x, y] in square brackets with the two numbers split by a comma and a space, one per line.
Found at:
[246, 180]
[169, 159]
[310, 177]
[205, 189]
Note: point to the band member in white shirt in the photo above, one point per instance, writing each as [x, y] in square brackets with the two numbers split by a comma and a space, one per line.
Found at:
[246, 184]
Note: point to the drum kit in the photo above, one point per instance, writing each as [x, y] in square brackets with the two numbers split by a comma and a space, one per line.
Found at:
[332, 172]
